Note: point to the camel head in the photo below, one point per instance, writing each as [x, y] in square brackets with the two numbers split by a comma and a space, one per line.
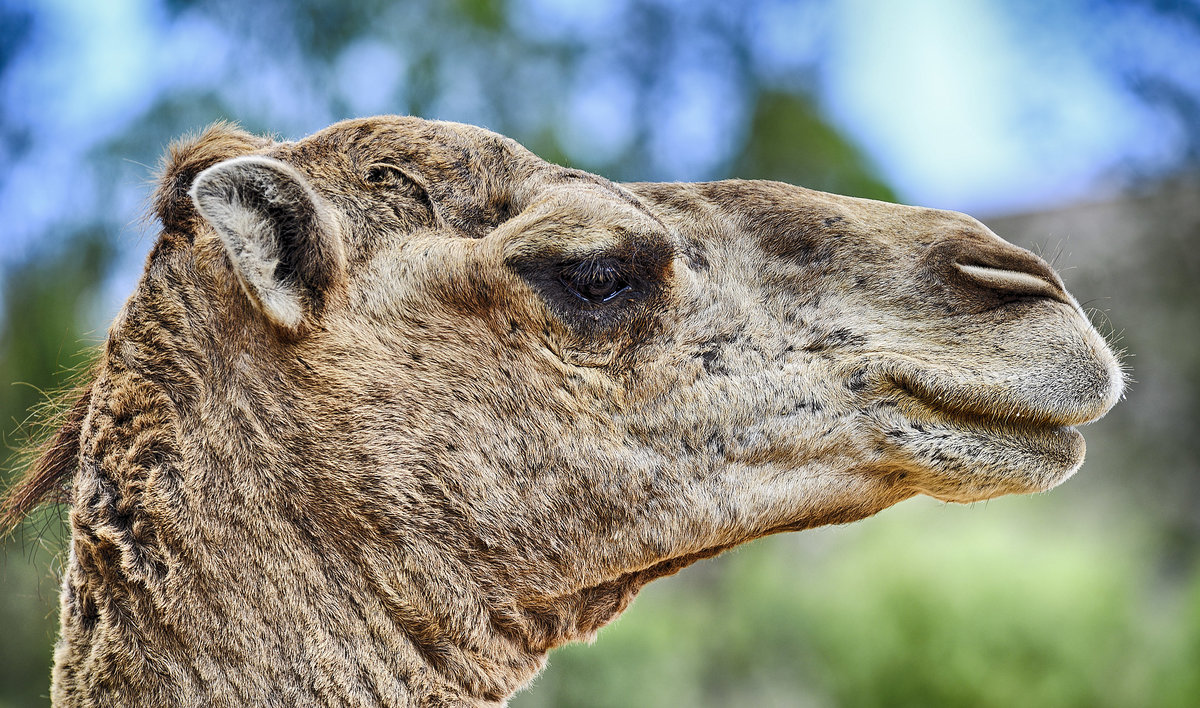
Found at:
[411, 364]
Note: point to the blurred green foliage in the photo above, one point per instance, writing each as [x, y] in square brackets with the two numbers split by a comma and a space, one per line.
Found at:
[924, 605]
[42, 343]
[823, 156]
[1089, 596]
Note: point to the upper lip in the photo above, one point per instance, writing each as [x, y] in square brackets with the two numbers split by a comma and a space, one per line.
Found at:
[984, 402]
[972, 409]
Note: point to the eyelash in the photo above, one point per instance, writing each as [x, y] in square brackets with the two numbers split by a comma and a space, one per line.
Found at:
[596, 281]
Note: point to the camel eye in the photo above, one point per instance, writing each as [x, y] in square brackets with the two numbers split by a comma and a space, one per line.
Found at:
[596, 281]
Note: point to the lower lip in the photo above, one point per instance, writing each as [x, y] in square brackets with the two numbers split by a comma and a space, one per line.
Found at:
[1045, 440]
[1045, 447]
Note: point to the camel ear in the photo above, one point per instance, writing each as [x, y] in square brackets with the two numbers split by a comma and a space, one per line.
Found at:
[282, 244]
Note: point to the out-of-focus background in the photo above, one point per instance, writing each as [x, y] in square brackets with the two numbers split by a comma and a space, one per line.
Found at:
[1072, 128]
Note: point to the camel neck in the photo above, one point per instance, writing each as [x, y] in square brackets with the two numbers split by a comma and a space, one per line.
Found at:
[286, 621]
[197, 580]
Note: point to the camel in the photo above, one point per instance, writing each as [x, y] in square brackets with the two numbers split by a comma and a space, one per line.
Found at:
[399, 407]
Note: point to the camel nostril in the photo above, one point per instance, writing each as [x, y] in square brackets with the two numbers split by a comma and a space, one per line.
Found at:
[1041, 282]
[978, 263]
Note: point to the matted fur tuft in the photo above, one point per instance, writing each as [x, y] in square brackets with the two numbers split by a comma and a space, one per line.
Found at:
[55, 459]
[189, 156]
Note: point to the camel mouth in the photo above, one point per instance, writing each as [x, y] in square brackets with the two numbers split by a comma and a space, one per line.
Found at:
[968, 456]
[1049, 433]
[963, 441]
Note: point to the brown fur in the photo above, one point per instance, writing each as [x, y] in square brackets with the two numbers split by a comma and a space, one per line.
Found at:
[399, 407]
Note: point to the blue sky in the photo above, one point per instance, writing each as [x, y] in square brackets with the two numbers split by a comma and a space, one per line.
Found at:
[962, 109]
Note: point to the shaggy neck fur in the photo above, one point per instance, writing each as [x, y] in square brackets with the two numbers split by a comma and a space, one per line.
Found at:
[185, 452]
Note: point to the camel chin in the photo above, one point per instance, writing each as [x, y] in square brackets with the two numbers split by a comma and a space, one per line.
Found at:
[969, 462]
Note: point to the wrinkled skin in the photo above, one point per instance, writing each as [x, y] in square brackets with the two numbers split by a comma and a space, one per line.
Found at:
[400, 407]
